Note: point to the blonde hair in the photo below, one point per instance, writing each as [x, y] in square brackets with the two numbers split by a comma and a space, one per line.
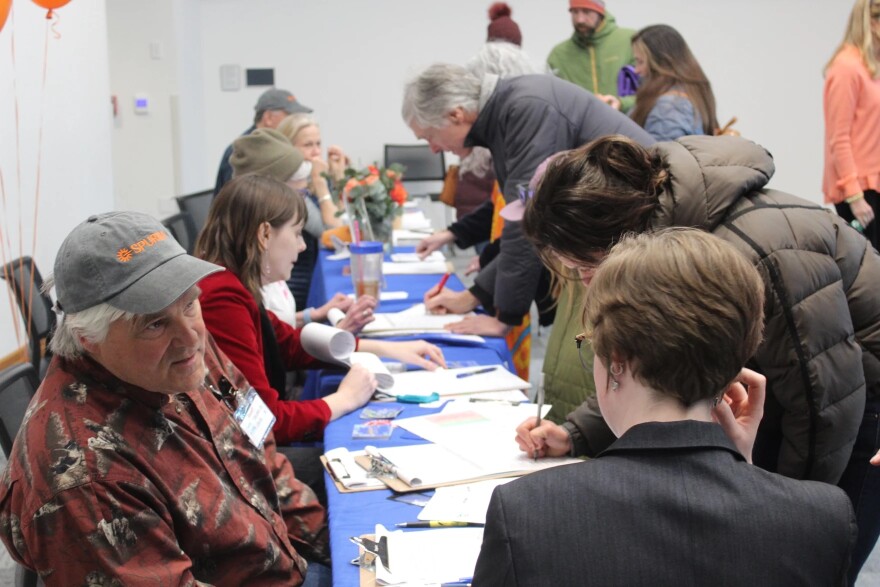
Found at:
[292, 124]
[859, 35]
[683, 307]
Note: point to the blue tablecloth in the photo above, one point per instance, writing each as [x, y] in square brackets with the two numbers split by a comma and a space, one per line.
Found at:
[353, 514]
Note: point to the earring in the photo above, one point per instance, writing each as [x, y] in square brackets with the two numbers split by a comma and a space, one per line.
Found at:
[616, 371]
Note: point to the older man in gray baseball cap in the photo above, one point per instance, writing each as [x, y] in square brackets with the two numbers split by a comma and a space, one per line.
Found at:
[270, 109]
[145, 453]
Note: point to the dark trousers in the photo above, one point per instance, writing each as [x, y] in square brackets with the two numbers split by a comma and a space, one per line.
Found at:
[861, 481]
[307, 467]
[872, 233]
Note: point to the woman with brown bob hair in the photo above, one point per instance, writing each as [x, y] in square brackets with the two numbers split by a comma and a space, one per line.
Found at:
[674, 98]
[673, 316]
[254, 230]
[821, 352]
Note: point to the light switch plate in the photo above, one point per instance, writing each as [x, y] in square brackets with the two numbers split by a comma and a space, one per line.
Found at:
[230, 78]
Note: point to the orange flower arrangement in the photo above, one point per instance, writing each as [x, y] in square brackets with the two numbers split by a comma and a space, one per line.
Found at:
[378, 191]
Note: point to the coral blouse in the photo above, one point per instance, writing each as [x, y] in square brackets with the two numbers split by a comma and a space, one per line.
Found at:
[852, 127]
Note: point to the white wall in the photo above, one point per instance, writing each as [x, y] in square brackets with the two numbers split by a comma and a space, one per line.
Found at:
[348, 60]
[73, 113]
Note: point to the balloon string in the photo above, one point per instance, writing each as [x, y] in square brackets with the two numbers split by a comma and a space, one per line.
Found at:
[55, 18]
[5, 243]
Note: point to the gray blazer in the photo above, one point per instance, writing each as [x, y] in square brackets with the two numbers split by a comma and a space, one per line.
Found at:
[668, 504]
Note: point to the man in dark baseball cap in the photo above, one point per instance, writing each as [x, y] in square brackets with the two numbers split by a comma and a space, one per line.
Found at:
[271, 108]
[140, 424]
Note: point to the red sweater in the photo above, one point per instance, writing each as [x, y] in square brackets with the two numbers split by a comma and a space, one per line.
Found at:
[233, 319]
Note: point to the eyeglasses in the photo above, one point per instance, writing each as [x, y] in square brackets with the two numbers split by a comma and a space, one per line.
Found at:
[578, 341]
[524, 192]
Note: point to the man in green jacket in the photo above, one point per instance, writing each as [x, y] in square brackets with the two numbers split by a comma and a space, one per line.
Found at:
[594, 54]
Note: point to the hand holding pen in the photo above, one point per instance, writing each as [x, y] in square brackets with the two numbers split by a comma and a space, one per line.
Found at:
[439, 287]
[547, 440]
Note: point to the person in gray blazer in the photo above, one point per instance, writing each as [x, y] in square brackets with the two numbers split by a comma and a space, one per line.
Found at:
[674, 500]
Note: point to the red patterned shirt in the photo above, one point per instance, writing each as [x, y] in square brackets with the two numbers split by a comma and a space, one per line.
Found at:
[109, 484]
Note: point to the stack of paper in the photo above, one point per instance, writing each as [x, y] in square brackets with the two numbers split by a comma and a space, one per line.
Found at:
[462, 503]
[446, 382]
[400, 236]
[413, 320]
[429, 556]
[414, 258]
[414, 220]
[469, 443]
[416, 268]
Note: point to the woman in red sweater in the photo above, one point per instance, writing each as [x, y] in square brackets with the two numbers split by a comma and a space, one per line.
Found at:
[254, 229]
[852, 121]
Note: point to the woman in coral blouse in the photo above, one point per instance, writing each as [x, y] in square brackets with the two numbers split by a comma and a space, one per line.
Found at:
[852, 121]
[254, 230]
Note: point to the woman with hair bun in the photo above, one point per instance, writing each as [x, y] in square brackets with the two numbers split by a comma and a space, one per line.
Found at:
[821, 351]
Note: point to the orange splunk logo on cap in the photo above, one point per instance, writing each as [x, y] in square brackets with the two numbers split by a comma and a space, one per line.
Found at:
[126, 254]
[291, 98]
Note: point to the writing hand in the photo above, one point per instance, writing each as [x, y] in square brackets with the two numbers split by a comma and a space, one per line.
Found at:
[547, 440]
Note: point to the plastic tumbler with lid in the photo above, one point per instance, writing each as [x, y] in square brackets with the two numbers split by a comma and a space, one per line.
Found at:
[366, 268]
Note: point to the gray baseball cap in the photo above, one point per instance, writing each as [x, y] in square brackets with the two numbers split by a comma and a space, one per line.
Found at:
[127, 260]
[275, 99]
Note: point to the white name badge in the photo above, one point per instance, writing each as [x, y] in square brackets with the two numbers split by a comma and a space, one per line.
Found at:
[254, 417]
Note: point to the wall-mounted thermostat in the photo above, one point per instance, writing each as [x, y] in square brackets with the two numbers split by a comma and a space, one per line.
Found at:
[141, 104]
[230, 78]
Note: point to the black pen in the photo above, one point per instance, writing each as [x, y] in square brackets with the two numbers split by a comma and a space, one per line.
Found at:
[436, 524]
[477, 372]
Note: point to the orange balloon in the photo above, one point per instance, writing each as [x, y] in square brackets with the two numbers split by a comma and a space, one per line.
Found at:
[51, 4]
[5, 5]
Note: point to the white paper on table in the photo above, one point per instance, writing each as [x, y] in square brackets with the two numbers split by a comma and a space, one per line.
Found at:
[398, 236]
[429, 556]
[414, 258]
[339, 256]
[444, 381]
[347, 471]
[435, 464]
[462, 503]
[412, 320]
[335, 346]
[414, 220]
[508, 397]
[418, 268]
[388, 296]
[481, 435]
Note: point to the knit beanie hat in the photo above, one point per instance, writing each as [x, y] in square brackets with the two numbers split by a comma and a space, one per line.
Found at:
[502, 27]
[265, 152]
[597, 5]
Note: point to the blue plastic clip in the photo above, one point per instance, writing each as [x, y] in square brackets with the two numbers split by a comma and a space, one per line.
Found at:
[418, 399]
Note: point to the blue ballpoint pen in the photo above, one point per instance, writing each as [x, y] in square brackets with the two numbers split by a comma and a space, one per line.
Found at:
[477, 372]
[463, 582]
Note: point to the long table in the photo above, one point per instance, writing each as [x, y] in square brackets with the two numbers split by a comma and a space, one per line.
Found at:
[353, 514]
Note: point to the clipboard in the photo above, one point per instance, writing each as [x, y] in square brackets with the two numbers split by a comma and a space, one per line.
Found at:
[398, 486]
[367, 575]
[342, 488]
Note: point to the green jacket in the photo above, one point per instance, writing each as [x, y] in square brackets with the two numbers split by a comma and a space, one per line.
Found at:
[566, 383]
[593, 63]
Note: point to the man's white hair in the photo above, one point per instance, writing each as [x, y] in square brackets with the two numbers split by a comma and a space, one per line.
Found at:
[437, 91]
[91, 324]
